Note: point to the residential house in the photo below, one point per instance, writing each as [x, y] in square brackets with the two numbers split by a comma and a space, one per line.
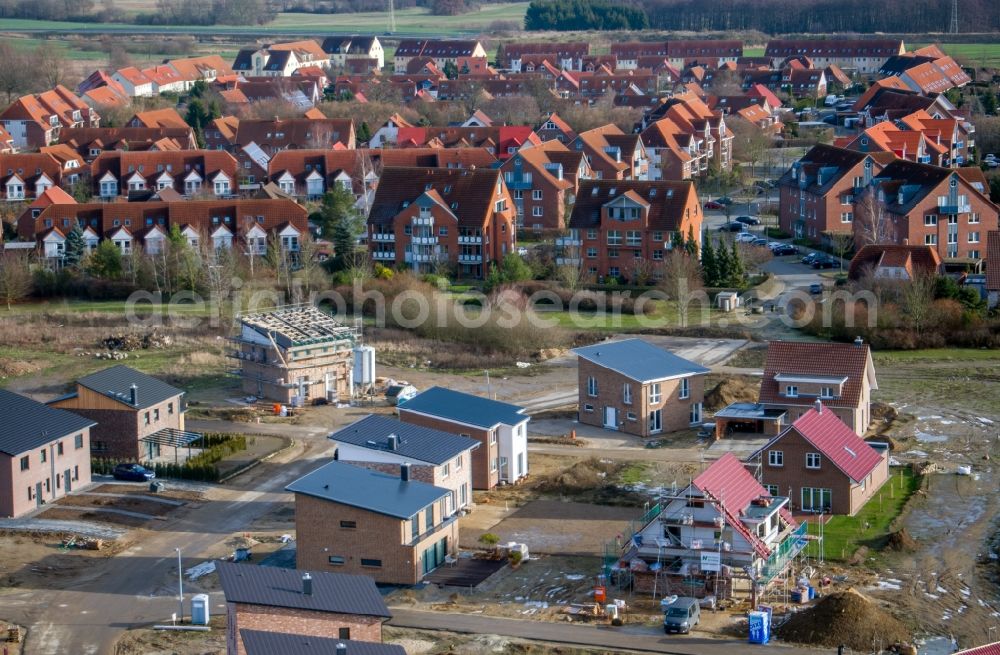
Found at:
[167, 117]
[44, 453]
[28, 175]
[423, 217]
[500, 428]
[911, 203]
[501, 141]
[52, 196]
[842, 375]
[442, 51]
[612, 154]
[386, 134]
[311, 173]
[567, 55]
[625, 229]
[919, 137]
[7, 146]
[33, 121]
[134, 82]
[816, 195]
[255, 142]
[722, 535]
[342, 49]
[864, 56]
[89, 142]
[122, 173]
[435, 456]
[541, 186]
[206, 68]
[391, 528]
[895, 262]
[280, 59]
[555, 128]
[467, 158]
[635, 387]
[804, 83]
[136, 413]
[678, 54]
[317, 604]
[295, 355]
[267, 643]
[822, 465]
[691, 115]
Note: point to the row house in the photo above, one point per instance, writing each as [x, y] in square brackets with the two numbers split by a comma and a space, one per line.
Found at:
[929, 205]
[34, 121]
[423, 218]
[188, 172]
[248, 224]
[255, 142]
[942, 141]
[553, 127]
[691, 115]
[166, 117]
[678, 54]
[673, 153]
[279, 59]
[760, 117]
[309, 174]
[206, 68]
[467, 158]
[926, 71]
[28, 175]
[804, 82]
[816, 195]
[568, 55]
[90, 142]
[598, 84]
[442, 51]
[344, 49]
[297, 91]
[501, 141]
[865, 56]
[619, 227]
[612, 154]
[543, 180]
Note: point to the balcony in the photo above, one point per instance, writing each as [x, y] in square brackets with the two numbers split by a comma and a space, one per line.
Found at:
[954, 209]
[383, 254]
[437, 528]
[470, 259]
[383, 236]
[423, 220]
[470, 239]
[567, 261]
[423, 241]
[568, 242]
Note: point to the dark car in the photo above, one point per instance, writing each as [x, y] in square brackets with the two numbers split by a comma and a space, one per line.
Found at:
[811, 257]
[747, 220]
[133, 472]
[824, 262]
[732, 227]
[785, 249]
[724, 200]
[816, 288]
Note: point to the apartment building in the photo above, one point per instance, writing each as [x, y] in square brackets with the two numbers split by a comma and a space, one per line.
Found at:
[542, 180]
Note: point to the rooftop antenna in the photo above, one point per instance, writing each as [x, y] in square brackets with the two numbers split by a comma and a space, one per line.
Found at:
[954, 17]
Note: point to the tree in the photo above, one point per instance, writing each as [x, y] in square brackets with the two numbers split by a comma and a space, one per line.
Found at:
[709, 264]
[874, 223]
[340, 222]
[450, 70]
[49, 65]
[750, 143]
[75, 248]
[197, 117]
[106, 261]
[364, 133]
[15, 276]
[842, 243]
[737, 271]
[681, 275]
[691, 245]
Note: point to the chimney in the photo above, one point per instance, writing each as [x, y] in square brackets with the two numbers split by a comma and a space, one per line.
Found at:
[133, 395]
[393, 442]
[819, 406]
[858, 341]
[307, 584]
[404, 472]
[341, 649]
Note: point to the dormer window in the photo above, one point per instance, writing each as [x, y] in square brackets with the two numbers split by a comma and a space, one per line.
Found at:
[791, 391]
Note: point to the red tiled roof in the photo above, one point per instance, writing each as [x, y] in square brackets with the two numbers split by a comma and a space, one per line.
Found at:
[986, 649]
[838, 443]
[827, 359]
[911, 257]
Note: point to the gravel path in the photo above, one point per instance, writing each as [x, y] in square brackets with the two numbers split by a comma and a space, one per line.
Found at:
[80, 528]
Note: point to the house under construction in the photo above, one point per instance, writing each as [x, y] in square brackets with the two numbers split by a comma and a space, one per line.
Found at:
[295, 355]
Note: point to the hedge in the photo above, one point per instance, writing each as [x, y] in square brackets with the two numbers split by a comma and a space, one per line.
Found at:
[200, 467]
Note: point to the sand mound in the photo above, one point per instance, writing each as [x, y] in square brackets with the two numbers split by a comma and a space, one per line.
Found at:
[901, 541]
[12, 368]
[584, 475]
[847, 618]
[731, 390]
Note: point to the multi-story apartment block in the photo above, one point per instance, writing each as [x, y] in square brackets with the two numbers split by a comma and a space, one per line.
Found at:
[612, 154]
[34, 121]
[342, 49]
[190, 173]
[865, 56]
[543, 181]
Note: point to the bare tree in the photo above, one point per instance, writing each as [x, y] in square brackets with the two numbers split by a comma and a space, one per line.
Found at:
[681, 274]
[917, 298]
[50, 66]
[15, 276]
[842, 243]
[872, 221]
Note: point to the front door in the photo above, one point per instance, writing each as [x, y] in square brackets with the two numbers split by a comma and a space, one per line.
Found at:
[610, 418]
[67, 479]
[38, 494]
[655, 421]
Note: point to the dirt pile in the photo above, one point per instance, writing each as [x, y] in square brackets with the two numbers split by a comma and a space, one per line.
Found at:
[848, 618]
[12, 368]
[731, 390]
[902, 542]
[584, 475]
[129, 341]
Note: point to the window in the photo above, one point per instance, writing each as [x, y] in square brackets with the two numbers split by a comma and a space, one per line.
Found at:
[536, 194]
[458, 463]
[930, 239]
[772, 489]
[443, 231]
[930, 220]
[335, 560]
[25, 463]
[588, 408]
[812, 460]
[349, 524]
[695, 414]
[494, 464]
[591, 386]
[344, 633]
[592, 234]
[826, 392]
[493, 437]
[627, 393]
[973, 237]
[45, 456]
[78, 441]
[145, 418]
[59, 448]
[655, 420]
[156, 414]
[846, 217]
[973, 219]
[791, 391]
[536, 211]
[654, 393]
[591, 253]
[614, 237]
[170, 409]
[415, 526]
[685, 390]
[445, 471]
[775, 458]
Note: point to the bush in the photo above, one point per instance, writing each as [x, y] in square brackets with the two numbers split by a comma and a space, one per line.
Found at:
[776, 233]
[199, 467]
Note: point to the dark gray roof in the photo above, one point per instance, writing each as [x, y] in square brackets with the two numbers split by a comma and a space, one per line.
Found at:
[366, 489]
[28, 424]
[639, 360]
[339, 593]
[464, 408]
[118, 380]
[256, 642]
[413, 441]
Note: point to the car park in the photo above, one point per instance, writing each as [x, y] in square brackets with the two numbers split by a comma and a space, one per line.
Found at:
[133, 473]
[745, 237]
[747, 220]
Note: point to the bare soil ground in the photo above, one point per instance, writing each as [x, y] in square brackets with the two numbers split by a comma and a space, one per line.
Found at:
[165, 642]
[31, 559]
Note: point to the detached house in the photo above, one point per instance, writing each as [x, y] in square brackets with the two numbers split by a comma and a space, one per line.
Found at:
[624, 229]
[342, 49]
[424, 217]
[822, 465]
[135, 413]
[256, 642]
[842, 375]
[436, 457]
[274, 601]
[501, 429]
[44, 453]
[389, 527]
[892, 262]
[188, 172]
[638, 388]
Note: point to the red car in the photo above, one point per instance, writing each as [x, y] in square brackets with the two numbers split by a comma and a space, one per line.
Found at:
[713, 204]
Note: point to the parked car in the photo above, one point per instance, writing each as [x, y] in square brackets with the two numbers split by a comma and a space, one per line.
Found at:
[815, 288]
[681, 615]
[824, 262]
[783, 249]
[748, 220]
[808, 259]
[713, 204]
[724, 200]
[760, 241]
[732, 227]
[133, 473]
[746, 237]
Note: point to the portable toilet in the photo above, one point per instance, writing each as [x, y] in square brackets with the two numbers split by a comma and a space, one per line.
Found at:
[760, 628]
[199, 609]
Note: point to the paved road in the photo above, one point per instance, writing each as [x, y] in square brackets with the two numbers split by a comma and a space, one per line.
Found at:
[577, 634]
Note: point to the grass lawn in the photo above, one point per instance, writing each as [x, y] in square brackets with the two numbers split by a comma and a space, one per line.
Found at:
[843, 535]
[970, 54]
[753, 52]
[885, 358]
[665, 314]
[141, 309]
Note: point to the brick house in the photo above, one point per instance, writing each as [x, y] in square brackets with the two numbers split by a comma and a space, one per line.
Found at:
[822, 465]
[28, 175]
[887, 261]
[442, 51]
[166, 117]
[308, 174]
[44, 453]
[389, 527]
[612, 154]
[425, 217]
[691, 115]
[188, 172]
[541, 184]
[34, 121]
[916, 203]
[638, 388]
[623, 229]
[816, 195]
[89, 142]
[131, 409]
[256, 642]
[865, 56]
[306, 603]
[500, 428]
[842, 375]
[555, 128]
[436, 457]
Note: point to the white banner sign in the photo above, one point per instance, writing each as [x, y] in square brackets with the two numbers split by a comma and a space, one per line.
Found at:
[710, 561]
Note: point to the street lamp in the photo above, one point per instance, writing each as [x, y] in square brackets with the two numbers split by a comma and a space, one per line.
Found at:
[180, 585]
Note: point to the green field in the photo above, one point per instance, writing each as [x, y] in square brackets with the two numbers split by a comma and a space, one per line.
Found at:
[969, 54]
[408, 21]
